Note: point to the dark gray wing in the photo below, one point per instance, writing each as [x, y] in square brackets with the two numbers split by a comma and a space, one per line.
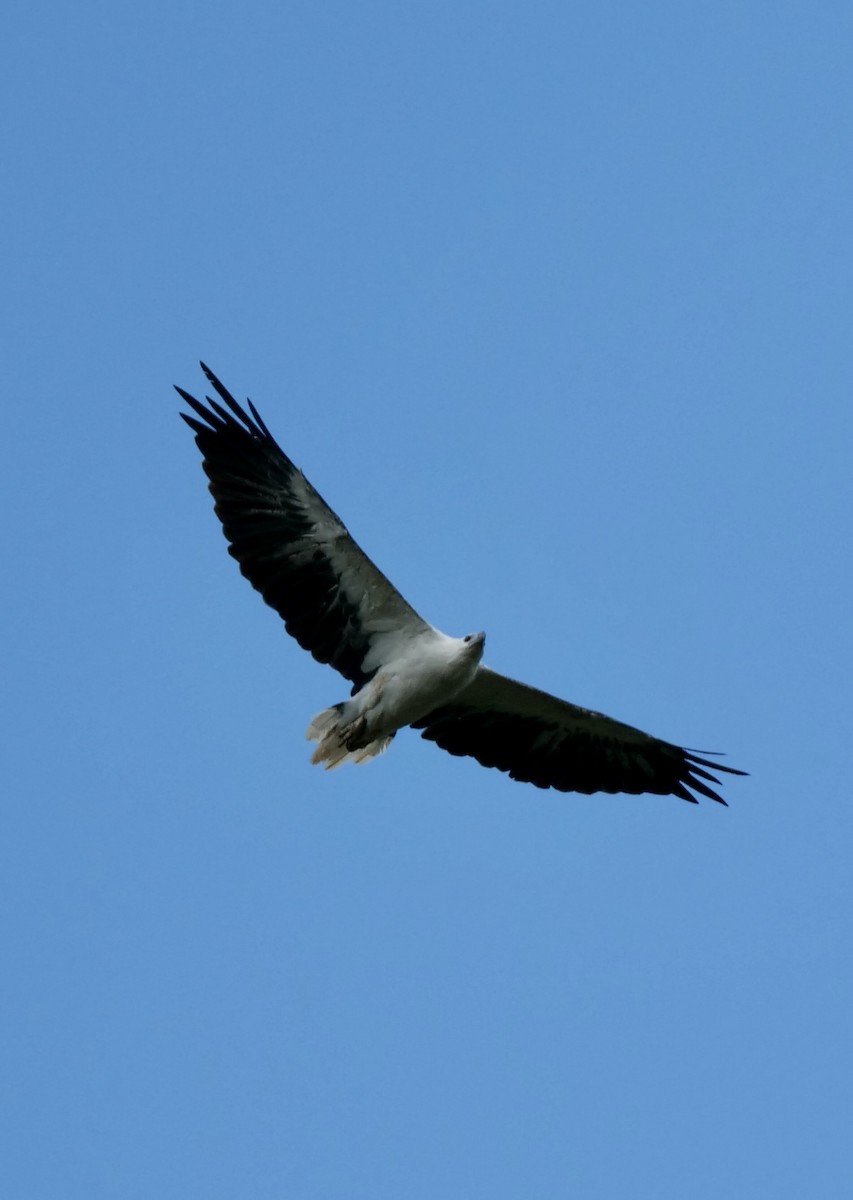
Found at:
[548, 742]
[292, 547]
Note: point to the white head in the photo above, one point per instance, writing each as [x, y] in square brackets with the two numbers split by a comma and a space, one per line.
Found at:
[475, 644]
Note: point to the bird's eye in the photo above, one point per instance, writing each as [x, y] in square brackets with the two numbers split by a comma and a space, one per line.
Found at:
[467, 637]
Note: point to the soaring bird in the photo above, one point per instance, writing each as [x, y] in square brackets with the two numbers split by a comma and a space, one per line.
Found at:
[299, 555]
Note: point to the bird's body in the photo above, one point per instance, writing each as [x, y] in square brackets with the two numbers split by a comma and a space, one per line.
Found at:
[299, 555]
[429, 670]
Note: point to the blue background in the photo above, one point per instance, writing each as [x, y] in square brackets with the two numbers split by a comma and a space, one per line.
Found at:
[553, 303]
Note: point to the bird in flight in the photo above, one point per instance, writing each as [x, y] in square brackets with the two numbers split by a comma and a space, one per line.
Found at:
[299, 555]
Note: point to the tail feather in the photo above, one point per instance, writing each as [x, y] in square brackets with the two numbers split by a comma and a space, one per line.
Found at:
[331, 734]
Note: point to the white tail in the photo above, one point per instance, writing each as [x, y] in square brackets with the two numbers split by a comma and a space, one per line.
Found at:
[329, 732]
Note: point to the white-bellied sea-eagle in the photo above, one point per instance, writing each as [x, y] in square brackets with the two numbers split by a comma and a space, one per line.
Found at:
[299, 555]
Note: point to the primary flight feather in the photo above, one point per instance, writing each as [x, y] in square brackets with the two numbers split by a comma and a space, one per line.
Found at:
[299, 555]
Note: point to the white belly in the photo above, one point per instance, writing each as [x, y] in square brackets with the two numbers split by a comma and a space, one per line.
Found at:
[430, 675]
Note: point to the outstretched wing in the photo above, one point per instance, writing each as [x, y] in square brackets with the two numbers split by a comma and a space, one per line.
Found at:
[290, 545]
[548, 742]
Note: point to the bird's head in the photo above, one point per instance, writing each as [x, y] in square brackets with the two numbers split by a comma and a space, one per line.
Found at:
[475, 644]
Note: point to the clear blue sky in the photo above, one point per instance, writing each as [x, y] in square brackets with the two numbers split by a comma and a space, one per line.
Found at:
[553, 303]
